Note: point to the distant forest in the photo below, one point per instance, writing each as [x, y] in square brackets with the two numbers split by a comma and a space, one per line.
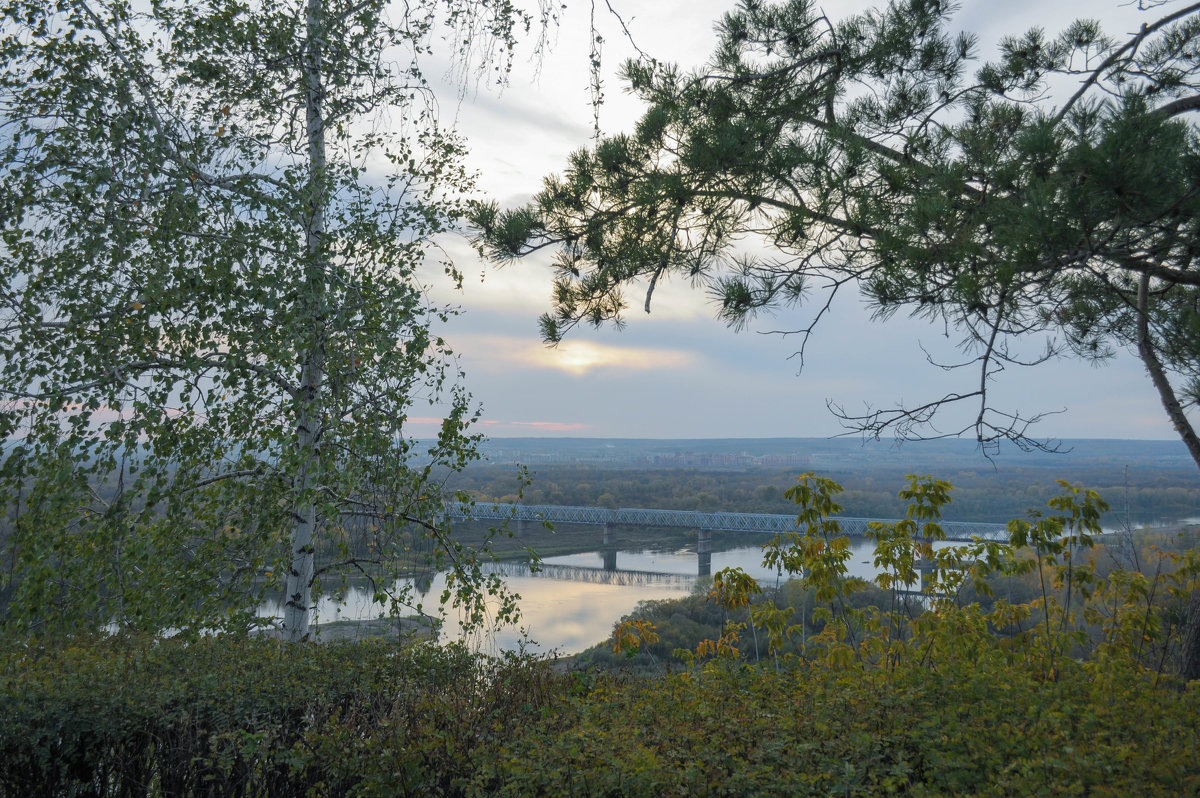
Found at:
[1146, 490]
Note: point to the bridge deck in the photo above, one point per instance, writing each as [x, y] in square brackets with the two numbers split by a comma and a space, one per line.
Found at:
[689, 519]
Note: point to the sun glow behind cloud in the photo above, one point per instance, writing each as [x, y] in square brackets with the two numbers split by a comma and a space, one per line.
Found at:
[677, 372]
[577, 357]
[533, 427]
[428, 425]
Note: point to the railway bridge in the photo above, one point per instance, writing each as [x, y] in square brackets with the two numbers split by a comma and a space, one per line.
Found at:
[704, 523]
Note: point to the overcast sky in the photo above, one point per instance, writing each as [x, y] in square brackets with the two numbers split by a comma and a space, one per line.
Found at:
[678, 372]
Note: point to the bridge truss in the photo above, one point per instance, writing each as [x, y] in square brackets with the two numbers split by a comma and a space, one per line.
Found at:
[690, 519]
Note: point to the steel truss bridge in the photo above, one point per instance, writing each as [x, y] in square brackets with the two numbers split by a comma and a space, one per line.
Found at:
[689, 519]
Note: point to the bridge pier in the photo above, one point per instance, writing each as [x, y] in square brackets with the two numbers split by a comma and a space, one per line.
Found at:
[704, 552]
[610, 558]
[609, 549]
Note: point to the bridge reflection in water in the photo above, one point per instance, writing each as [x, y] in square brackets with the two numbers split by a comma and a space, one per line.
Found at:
[601, 576]
[704, 524]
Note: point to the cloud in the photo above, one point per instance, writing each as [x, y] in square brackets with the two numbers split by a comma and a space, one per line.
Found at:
[580, 356]
[525, 287]
[425, 420]
[574, 356]
[492, 425]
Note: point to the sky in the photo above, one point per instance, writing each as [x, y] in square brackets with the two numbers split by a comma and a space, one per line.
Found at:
[678, 372]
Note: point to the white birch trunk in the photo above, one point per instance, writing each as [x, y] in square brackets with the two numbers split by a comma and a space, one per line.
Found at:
[311, 418]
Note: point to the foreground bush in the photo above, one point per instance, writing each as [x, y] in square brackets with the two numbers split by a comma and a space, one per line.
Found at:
[232, 717]
[226, 716]
[811, 731]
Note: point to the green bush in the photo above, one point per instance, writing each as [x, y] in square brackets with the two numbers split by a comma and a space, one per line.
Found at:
[227, 716]
[230, 717]
[735, 730]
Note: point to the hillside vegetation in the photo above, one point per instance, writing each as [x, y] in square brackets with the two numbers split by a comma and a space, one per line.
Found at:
[1044, 665]
[128, 717]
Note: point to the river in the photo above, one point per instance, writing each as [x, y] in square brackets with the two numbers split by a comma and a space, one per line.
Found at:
[577, 598]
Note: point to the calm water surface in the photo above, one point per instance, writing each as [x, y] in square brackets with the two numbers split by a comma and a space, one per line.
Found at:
[573, 604]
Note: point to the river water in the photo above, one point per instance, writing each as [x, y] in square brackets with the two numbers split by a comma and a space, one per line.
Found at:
[573, 603]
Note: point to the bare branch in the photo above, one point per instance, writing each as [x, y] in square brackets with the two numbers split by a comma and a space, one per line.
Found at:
[1128, 48]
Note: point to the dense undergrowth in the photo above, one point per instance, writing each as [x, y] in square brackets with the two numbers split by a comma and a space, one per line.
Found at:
[236, 716]
[243, 717]
[1065, 683]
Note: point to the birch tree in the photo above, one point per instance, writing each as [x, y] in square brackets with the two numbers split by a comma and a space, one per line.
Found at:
[213, 326]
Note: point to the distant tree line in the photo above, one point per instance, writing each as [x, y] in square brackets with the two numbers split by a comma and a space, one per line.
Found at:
[981, 494]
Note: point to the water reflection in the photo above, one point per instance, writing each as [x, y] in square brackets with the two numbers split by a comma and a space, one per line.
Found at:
[574, 603]
[677, 561]
[560, 615]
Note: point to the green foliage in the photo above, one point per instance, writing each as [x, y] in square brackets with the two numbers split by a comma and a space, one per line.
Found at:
[979, 730]
[227, 716]
[1145, 490]
[1035, 665]
[220, 716]
[933, 605]
[212, 330]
